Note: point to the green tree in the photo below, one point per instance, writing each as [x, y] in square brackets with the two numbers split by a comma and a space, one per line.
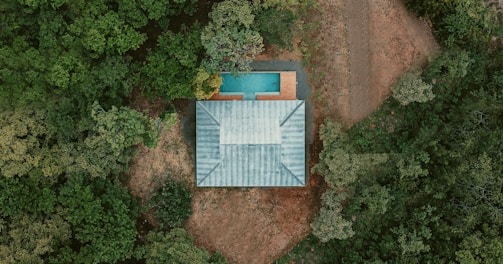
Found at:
[469, 23]
[109, 142]
[28, 239]
[413, 236]
[411, 88]
[451, 74]
[171, 68]
[67, 51]
[159, 10]
[277, 4]
[25, 144]
[228, 39]
[371, 200]
[429, 8]
[23, 78]
[172, 203]
[124, 127]
[32, 196]
[275, 26]
[329, 223]
[462, 23]
[337, 165]
[103, 219]
[176, 246]
[480, 248]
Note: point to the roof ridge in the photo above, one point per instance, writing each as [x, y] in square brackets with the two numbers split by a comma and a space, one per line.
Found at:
[291, 113]
[209, 173]
[209, 113]
[291, 173]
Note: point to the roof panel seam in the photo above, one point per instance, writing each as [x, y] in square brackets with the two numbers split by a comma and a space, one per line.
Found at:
[291, 173]
[208, 174]
[291, 113]
[209, 113]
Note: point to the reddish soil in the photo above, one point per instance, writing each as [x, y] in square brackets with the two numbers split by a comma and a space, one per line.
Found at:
[398, 41]
[365, 46]
[253, 225]
[150, 167]
[357, 53]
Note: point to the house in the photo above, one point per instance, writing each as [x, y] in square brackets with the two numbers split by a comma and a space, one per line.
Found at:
[250, 143]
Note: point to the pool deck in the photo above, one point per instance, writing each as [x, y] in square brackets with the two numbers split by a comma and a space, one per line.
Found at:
[287, 90]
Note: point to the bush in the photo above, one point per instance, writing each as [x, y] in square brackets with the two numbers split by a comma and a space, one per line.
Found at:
[275, 27]
[172, 203]
[218, 258]
[230, 42]
[206, 84]
[411, 88]
[175, 246]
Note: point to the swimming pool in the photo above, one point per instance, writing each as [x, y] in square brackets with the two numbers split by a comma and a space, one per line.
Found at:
[250, 84]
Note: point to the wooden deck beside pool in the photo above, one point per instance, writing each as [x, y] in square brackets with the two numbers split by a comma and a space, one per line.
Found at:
[288, 89]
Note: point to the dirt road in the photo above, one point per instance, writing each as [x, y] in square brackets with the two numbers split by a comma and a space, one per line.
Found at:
[356, 14]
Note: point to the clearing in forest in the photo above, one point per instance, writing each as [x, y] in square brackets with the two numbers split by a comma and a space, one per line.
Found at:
[361, 52]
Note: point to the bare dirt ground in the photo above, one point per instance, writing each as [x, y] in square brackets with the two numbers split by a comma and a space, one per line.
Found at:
[358, 52]
[150, 167]
[253, 225]
[365, 47]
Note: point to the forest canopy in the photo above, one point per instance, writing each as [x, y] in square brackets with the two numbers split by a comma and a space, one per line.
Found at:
[68, 73]
[420, 180]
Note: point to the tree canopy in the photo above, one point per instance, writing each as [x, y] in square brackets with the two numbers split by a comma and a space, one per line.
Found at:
[419, 180]
[70, 126]
[229, 40]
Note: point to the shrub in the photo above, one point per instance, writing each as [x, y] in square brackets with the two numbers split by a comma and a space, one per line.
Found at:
[411, 88]
[230, 43]
[206, 84]
[172, 203]
[275, 27]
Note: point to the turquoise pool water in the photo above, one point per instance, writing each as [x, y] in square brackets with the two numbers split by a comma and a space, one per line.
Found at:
[250, 84]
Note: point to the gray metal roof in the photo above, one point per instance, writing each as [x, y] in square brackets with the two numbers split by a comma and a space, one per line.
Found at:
[250, 143]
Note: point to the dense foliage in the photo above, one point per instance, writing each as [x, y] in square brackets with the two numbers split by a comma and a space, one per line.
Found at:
[175, 247]
[172, 204]
[437, 197]
[275, 26]
[68, 70]
[170, 69]
[464, 23]
[229, 40]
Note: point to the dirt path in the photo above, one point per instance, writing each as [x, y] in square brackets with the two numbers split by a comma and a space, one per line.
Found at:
[357, 20]
[365, 46]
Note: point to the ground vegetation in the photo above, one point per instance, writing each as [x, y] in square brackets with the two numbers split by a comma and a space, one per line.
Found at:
[68, 71]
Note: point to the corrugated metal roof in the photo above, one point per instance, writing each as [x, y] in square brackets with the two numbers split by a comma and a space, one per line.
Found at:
[250, 143]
